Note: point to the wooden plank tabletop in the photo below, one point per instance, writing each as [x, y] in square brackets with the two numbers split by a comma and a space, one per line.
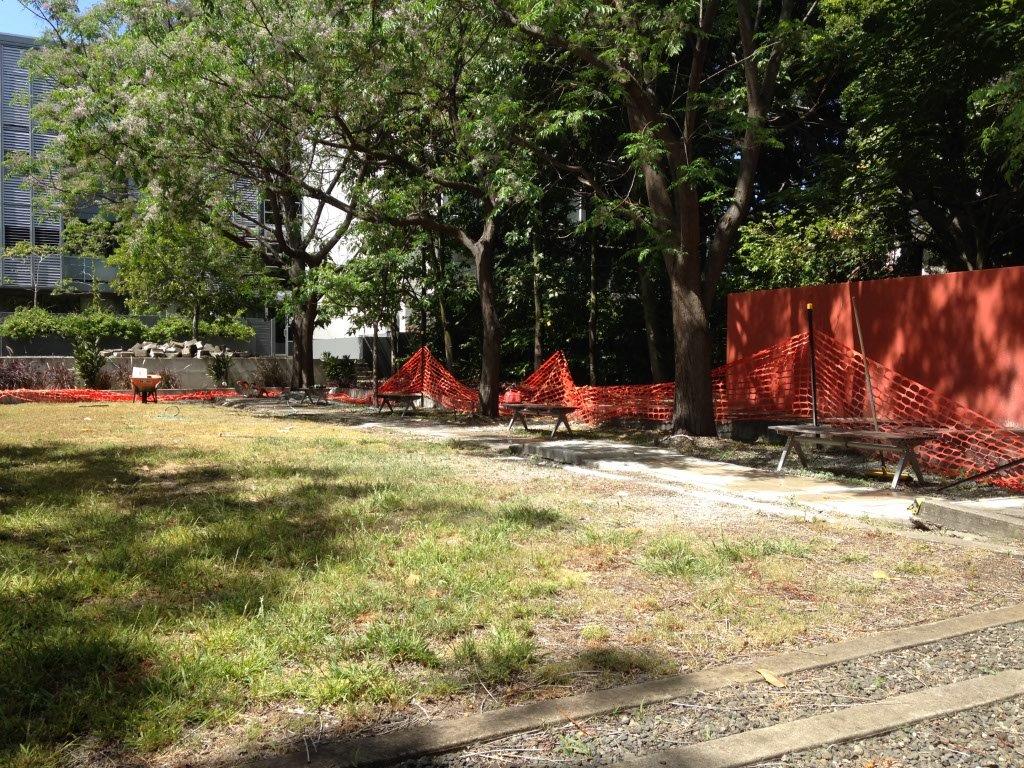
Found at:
[539, 407]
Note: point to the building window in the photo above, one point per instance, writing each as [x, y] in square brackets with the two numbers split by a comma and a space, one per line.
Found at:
[16, 234]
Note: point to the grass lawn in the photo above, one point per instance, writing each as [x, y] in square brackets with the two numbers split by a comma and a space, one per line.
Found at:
[177, 585]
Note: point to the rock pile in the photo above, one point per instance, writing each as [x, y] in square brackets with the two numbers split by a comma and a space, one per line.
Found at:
[191, 348]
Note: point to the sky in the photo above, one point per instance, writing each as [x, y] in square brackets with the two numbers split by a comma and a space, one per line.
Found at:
[15, 20]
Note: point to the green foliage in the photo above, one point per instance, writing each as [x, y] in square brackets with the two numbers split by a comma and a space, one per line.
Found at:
[338, 370]
[271, 372]
[88, 362]
[805, 247]
[178, 328]
[166, 263]
[218, 366]
[89, 325]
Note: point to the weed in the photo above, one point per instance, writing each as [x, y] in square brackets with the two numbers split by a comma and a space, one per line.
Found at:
[499, 656]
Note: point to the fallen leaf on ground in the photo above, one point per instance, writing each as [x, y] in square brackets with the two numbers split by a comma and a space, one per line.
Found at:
[771, 678]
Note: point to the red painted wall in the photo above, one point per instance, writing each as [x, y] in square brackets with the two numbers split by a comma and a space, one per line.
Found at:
[961, 334]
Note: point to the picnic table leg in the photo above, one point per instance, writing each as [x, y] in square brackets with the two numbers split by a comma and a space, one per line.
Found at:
[916, 466]
[410, 407]
[800, 453]
[522, 418]
[512, 421]
[899, 470]
[785, 453]
[559, 422]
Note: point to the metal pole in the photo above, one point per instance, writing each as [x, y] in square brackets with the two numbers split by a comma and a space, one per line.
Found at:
[814, 372]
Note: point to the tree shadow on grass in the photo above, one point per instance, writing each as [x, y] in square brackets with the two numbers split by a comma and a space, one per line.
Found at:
[96, 550]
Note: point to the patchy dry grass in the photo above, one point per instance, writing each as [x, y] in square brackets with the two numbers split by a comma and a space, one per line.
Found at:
[170, 582]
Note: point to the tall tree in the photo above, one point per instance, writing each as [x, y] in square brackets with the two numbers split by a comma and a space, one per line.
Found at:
[442, 150]
[165, 264]
[206, 107]
[696, 83]
[917, 136]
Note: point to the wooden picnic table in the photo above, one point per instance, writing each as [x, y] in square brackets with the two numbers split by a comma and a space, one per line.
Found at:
[521, 410]
[303, 395]
[405, 399]
[901, 441]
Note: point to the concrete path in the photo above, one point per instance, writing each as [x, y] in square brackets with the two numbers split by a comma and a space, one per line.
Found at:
[1001, 518]
[815, 495]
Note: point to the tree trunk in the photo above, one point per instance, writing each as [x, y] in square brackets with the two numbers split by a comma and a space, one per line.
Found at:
[650, 308]
[373, 362]
[195, 322]
[446, 332]
[303, 323]
[490, 371]
[393, 343]
[434, 253]
[538, 314]
[694, 406]
[592, 315]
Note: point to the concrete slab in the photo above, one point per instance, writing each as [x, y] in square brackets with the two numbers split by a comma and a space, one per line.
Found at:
[821, 496]
[1000, 518]
[861, 721]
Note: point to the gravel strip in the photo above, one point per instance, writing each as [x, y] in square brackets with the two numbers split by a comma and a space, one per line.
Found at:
[977, 738]
[608, 739]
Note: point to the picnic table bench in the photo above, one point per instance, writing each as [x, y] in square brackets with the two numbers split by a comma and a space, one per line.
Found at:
[522, 410]
[311, 395]
[405, 399]
[901, 442]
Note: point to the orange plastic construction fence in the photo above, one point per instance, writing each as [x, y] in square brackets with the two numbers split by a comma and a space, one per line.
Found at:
[424, 374]
[774, 384]
[109, 396]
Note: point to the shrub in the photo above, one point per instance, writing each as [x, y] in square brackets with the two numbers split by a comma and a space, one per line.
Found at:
[170, 379]
[177, 328]
[89, 365]
[27, 374]
[218, 367]
[118, 373]
[271, 372]
[340, 371]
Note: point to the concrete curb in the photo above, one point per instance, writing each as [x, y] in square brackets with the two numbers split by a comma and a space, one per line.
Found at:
[449, 735]
[971, 520]
[857, 722]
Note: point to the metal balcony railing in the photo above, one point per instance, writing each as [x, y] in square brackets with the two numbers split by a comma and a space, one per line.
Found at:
[50, 271]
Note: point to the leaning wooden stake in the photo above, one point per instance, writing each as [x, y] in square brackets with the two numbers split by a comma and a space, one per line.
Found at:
[814, 372]
[867, 371]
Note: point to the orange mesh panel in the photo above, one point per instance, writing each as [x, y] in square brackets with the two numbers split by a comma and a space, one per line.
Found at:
[109, 396]
[423, 373]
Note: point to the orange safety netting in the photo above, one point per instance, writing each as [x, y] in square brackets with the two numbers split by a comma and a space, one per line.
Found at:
[109, 396]
[423, 374]
[775, 384]
[552, 383]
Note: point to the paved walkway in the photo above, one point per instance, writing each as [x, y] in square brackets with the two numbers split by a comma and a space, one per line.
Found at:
[762, 490]
[721, 479]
